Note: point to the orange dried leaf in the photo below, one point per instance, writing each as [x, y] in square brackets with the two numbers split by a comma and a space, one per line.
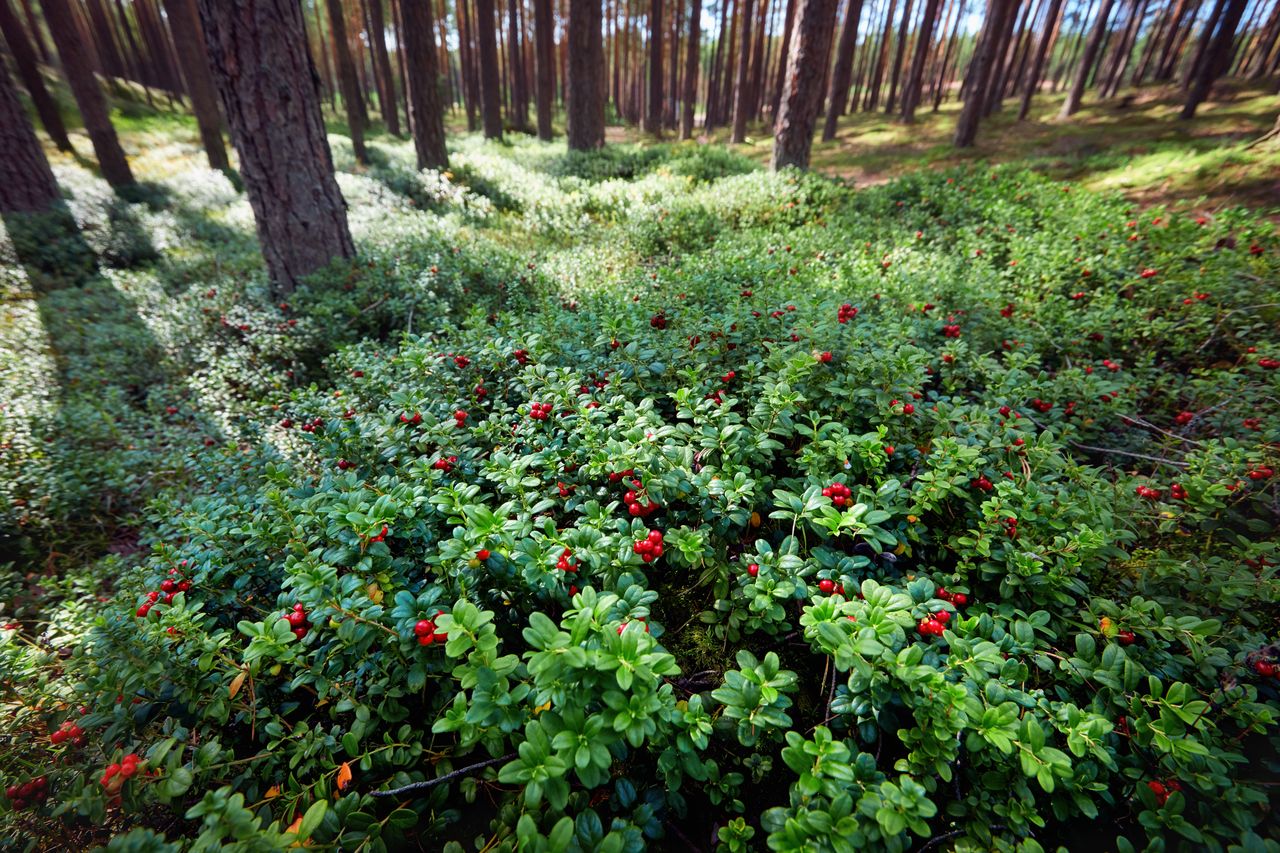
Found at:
[238, 682]
[344, 775]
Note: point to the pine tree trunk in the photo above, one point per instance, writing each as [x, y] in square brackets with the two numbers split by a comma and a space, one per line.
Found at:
[653, 106]
[1091, 47]
[544, 42]
[189, 41]
[490, 84]
[322, 48]
[352, 102]
[838, 91]
[270, 95]
[671, 95]
[426, 112]
[915, 82]
[692, 54]
[881, 60]
[24, 57]
[466, 52]
[1217, 57]
[382, 65]
[37, 37]
[76, 65]
[26, 181]
[716, 78]
[741, 85]
[112, 64]
[941, 83]
[1202, 44]
[585, 78]
[981, 71]
[993, 98]
[784, 52]
[1042, 51]
[802, 95]
[754, 81]
[900, 50]
[519, 85]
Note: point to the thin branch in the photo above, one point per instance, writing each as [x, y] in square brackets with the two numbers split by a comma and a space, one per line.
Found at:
[414, 787]
[1160, 459]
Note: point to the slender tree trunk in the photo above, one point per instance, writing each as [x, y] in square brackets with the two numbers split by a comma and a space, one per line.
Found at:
[900, 50]
[322, 48]
[784, 52]
[26, 181]
[755, 81]
[347, 80]
[112, 64]
[24, 57]
[717, 70]
[1125, 54]
[981, 70]
[270, 93]
[519, 85]
[692, 51]
[189, 40]
[1217, 58]
[84, 86]
[1202, 44]
[940, 87]
[882, 58]
[838, 91]
[802, 95]
[653, 106]
[426, 112]
[37, 37]
[1042, 51]
[742, 84]
[1091, 47]
[585, 81]
[490, 85]
[993, 96]
[544, 42]
[467, 51]
[915, 82]
[382, 66]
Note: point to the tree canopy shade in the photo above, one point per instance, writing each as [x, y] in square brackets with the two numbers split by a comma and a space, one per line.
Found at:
[270, 93]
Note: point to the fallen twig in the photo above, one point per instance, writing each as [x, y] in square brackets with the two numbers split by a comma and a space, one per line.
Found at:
[428, 784]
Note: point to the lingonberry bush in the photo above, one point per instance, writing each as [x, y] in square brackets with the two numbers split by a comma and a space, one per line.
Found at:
[657, 502]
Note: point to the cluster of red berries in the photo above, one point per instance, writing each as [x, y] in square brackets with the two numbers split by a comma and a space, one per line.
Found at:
[907, 408]
[1252, 423]
[1148, 493]
[345, 465]
[445, 463]
[1183, 418]
[31, 793]
[827, 586]
[934, 625]
[297, 619]
[563, 563]
[981, 483]
[650, 547]
[1148, 272]
[839, 494]
[68, 732]
[411, 420]
[565, 489]
[521, 356]
[1162, 790]
[114, 775]
[1041, 406]
[1177, 492]
[1078, 295]
[846, 312]
[461, 361]
[824, 357]
[459, 418]
[425, 631]
[1268, 363]
[951, 331]
[382, 535]
[169, 587]
[1266, 668]
[632, 497]
[1262, 472]
[1010, 525]
[539, 411]
[1199, 296]
[957, 599]
[307, 426]
[659, 320]
[639, 621]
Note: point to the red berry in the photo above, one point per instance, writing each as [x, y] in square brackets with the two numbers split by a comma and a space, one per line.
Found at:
[482, 554]
[826, 586]
[753, 569]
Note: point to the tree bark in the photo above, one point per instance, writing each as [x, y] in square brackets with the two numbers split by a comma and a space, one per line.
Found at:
[1042, 51]
[545, 62]
[802, 95]
[742, 85]
[189, 41]
[426, 112]
[838, 91]
[981, 68]
[784, 54]
[26, 181]
[270, 95]
[1091, 47]
[112, 63]
[467, 51]
[352, 102]
[382, 65]
[585, 80]
[24, 57]
[993, 95]
[915, 82]
[1216, 59]
[519, 85]
[692, 54]
[89, 98]
[490, 84]
[653, 108]
[882, 59]
[37, 37]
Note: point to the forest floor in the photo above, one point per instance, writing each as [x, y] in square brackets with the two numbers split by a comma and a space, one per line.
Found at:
[1134, 143]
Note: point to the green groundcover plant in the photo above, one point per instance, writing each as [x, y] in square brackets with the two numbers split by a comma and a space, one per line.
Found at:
[647, 501]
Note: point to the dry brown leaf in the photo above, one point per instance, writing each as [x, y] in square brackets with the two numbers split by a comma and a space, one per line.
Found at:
[238, 682]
